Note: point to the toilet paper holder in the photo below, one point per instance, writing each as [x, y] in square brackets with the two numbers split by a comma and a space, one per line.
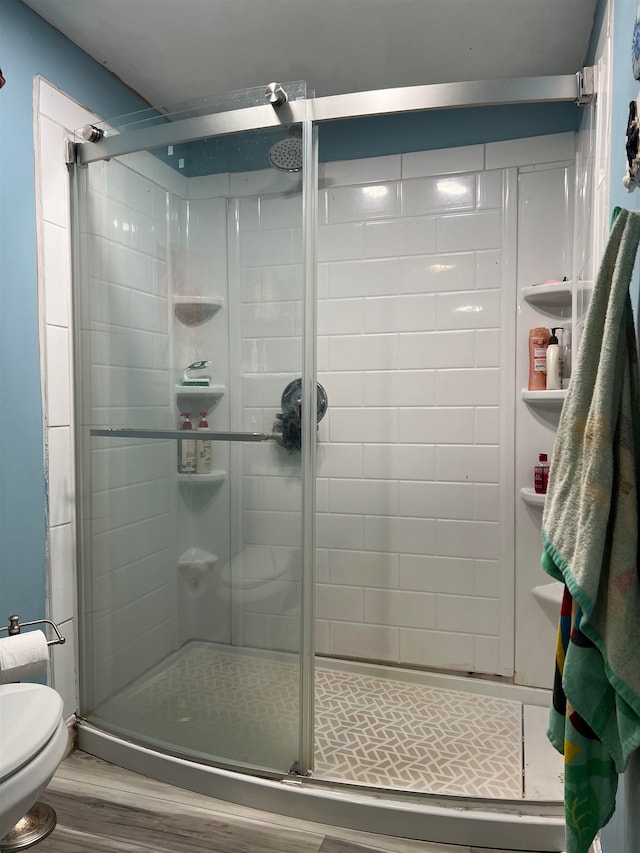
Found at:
[15, 626]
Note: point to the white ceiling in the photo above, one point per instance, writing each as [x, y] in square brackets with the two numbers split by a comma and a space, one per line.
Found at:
[174, 50]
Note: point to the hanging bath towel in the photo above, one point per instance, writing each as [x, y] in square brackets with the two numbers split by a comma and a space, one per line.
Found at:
[590, 536]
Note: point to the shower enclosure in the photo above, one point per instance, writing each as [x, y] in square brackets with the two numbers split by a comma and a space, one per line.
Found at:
[229, 611]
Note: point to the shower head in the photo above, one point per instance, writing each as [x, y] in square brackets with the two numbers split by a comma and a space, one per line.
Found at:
[286, 155]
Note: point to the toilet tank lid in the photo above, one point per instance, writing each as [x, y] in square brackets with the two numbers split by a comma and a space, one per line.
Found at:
[29, 716]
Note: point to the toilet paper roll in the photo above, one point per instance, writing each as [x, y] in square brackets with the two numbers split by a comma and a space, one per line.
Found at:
[23, 656]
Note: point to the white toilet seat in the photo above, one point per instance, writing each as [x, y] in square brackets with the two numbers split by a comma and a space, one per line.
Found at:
[33, 742]
[29, 716]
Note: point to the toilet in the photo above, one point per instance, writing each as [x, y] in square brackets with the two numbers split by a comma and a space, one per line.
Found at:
[33, 742]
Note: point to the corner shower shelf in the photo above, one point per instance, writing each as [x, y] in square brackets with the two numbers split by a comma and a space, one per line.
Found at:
[202, 479]
[545, 399]
[530, 496]
[214, 391]
[195, 310]
[549, 296]
[549, 597]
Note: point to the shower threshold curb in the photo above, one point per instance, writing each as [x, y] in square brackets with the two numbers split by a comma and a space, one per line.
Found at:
[512, 825]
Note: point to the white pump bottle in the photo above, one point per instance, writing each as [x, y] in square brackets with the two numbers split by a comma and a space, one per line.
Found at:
[554, 361]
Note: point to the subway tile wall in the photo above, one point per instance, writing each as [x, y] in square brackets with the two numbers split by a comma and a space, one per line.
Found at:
[265, 257]
[545, 219]
[125, 320]
[198, 264]
[405, 323]
[409, 317]
[411, 490]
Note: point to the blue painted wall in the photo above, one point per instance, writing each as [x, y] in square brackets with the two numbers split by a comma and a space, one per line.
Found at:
[374, 136]
[29, 46]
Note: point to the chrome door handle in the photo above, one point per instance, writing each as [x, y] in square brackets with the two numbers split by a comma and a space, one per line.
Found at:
[288, 425]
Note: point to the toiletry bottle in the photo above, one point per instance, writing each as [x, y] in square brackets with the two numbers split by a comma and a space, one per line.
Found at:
[538, 342]
[565, 347]
[186, 449]
[203, 449]
[541, 475]
[554, 361]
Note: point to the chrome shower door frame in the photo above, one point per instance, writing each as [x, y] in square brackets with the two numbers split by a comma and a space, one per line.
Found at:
[81, 155]
[438, 96]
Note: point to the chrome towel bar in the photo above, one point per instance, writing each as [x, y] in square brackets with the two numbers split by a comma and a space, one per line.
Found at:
[182, 434]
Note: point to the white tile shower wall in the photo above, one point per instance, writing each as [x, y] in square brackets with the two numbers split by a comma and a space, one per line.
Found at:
[407, 322]
[265, 251]
[125, 328]
[411, 486]
[198, 258]
[408, 314]
[545, 219]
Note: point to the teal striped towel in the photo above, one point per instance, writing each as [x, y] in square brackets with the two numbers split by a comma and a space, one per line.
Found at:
[590, 535]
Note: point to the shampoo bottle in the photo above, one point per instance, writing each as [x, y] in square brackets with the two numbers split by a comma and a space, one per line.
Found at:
[186, 448]
[538, 342]
[203, 449]
[541, 475]
[554, 361]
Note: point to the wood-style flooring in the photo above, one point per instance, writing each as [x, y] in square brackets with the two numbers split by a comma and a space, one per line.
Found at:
[104, 809]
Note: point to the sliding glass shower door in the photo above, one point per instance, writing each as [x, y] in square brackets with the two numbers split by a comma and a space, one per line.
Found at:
[194, 468]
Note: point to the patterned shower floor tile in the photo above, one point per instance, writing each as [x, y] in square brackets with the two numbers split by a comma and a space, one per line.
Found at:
[241, 707]
[397, 734]
[214, 703]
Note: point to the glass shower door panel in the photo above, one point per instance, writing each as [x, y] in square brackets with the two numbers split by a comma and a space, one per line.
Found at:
[127, 521]
[192, 549]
